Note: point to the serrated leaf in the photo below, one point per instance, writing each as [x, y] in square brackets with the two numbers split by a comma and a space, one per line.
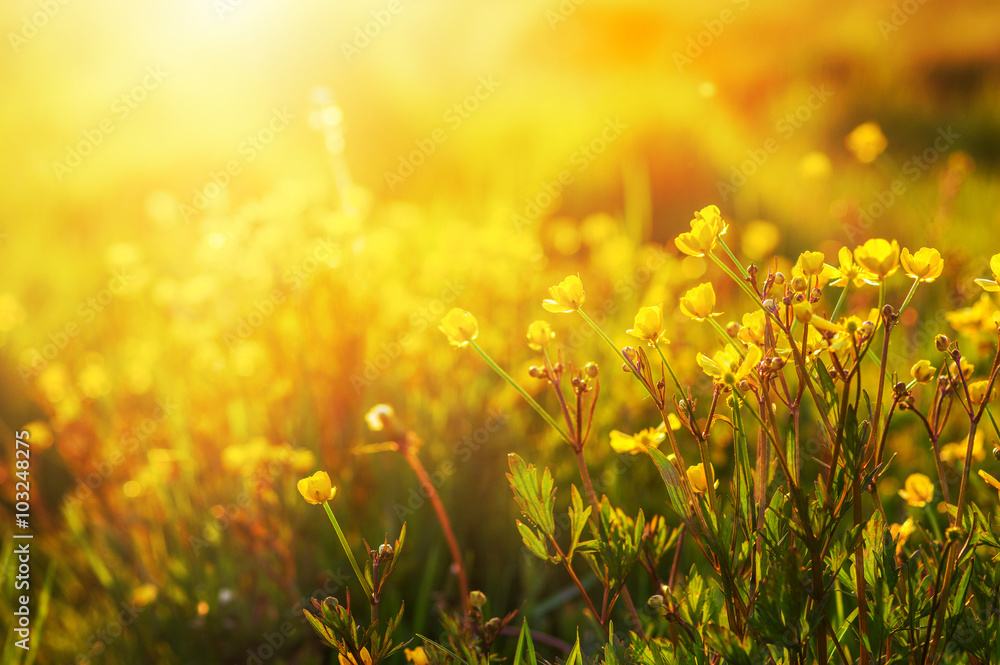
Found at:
[532, 541]
[536, 499]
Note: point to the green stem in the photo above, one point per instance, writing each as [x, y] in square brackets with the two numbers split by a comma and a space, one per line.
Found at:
[733, 258]
[680, 391]
[840, 302]
[535, 405]
[347, 550]
[906, 301]
[603, 335]
[726, 339]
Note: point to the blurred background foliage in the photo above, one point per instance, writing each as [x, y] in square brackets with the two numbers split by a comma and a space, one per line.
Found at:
[184, 351]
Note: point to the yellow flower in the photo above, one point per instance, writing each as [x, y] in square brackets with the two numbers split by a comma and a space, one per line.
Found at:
[460, 327]
[990, 480]
[727, 367]
[378, 416]
[416, 656]
[366, 658]
[567, 296]
[753, 329]
[697, 478]
[879, 257]
[866, 142]
[980, 392]
[849, 271]
[810, 263]
[317, 488]
[923, 371]
[926, 265]
[648, 325]
[637, 443]
[955, 452]
[699, 302]
[967, 370]
[539, 335]
[901, 533]
[975, 319]
[992, 284]
[706, 227]
[803, 311]
[919, 490]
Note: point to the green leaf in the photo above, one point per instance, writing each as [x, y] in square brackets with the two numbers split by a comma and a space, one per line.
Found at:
[535, 499]
[532, 541]
[675, 488]
[578, 516]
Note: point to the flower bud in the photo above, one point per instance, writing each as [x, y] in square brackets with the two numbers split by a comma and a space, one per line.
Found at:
[732, 328]
[779, 279]
[941, 343]
[655, 602]
[591, 370]
[799, 283]
[477, 599]
[996, 453]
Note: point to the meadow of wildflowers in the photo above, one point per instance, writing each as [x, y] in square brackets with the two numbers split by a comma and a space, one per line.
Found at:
[569, 332]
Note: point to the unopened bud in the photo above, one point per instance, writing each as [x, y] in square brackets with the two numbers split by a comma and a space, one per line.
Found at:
[779, 278]
[655, 602]
[799, 283]
[591, 370]
[477, 599]
[941, 342]
[732, 329]
[385, 550]
[996, 453]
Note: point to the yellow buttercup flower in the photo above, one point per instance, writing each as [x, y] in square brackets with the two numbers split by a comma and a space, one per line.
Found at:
[923, 371]
[992, 284]
[980, 391]
[648, 325]
[378, 416]
[637, 443]
[990, 480]
[879, 257]
[416, 656]
[850, 272]
[539, 335]
[460, 327]
[975, 319]
[316, 488]
[706, 227]
[698, 479]
[567, 296]
[699, 302]
[727, 367]
[918, 490]
[955, 452]
[926, 264]
[753, 329]
[901, 533]
[810, 263]
[966, 368]
[866, 142]
[366, 658]
[803, 311]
